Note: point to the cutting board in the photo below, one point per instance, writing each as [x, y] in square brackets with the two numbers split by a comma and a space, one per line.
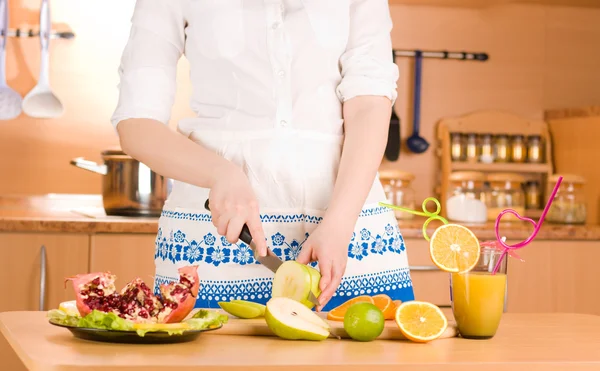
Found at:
[258, 327]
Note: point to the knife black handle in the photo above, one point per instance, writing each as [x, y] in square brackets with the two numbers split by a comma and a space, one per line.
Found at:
[244, 235]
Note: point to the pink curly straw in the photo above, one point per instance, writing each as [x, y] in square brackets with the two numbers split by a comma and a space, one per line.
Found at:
[537, 226]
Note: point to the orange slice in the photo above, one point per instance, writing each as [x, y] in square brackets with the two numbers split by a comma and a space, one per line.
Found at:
[337, 313]
[454, 248]
[385, 303]
[420, 321]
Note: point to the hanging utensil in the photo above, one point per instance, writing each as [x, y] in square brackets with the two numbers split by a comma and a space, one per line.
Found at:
[10, 100]
[392, 149]
[416, 143]
[40, 102]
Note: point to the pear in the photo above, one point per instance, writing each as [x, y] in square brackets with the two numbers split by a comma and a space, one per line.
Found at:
[243, 309]
[291, 320]
[295, 281]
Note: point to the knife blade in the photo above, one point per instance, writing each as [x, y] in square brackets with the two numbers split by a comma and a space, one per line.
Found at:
[271, 261]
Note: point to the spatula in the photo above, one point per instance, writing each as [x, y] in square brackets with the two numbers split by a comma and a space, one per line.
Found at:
[40, 102]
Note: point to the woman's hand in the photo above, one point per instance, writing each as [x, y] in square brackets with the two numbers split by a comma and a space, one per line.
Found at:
[328, 245]
[233, 204]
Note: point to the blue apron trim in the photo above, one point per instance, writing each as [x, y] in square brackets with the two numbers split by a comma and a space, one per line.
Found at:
[270, 218]
[216, 250]
[394, 283]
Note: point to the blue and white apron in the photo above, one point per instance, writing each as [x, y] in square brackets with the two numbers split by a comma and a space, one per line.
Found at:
[292, 173]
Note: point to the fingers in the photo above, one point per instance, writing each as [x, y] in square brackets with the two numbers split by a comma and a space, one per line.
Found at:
[258, 235]
[332, 283]
[234, 229]
[305, 254]
[325, 268]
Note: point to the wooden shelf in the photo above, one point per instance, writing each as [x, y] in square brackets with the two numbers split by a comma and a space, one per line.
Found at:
[479, 4]
[501, 167]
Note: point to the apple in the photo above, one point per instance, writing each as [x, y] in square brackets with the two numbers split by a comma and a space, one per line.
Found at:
[291, 320]
[243, 309]
[295, 281]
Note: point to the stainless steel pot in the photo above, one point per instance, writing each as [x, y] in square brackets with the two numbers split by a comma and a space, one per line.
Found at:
[129, 188]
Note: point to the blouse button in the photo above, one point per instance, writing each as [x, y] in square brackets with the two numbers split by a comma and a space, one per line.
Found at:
[275, 25]
[283, 123]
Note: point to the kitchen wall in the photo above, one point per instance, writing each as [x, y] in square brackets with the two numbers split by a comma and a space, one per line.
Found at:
[540, 58]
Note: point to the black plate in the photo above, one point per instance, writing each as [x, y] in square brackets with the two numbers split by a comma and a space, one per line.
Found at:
[131, 337]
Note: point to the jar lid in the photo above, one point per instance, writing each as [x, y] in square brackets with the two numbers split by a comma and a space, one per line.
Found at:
[569, 178]
[396, 174]
[505, 177]
[475, 176]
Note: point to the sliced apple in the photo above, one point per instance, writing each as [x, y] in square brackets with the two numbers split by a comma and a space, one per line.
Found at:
[315, 279]
[294, 280]
[291, 320]
[243, 309]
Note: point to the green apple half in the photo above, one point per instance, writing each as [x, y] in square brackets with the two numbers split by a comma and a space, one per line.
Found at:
[243, 309]
[291, 320]
[295, 281]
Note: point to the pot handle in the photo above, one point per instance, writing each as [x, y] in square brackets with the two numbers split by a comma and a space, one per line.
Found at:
[82, 163]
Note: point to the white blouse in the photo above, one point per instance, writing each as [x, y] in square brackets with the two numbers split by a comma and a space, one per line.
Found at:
[257, 64]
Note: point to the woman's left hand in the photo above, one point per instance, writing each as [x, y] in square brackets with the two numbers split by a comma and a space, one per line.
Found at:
[327, 245]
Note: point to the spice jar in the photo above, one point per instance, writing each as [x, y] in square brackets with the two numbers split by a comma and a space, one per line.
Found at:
[535, 150]
[501, 148]
[532, 195]
[398, 190]
[472, 150]
[466, 201]
[569, 206]
[457, 147]
[517, 149]
[486, 151]
[505, 192]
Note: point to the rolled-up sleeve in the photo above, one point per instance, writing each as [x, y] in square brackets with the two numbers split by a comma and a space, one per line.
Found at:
[148, 68]
[367, 64]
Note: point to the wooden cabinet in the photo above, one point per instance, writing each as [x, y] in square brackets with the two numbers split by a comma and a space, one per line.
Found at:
[126, 255]
[429, 282]
[31, 281]
[556, 276]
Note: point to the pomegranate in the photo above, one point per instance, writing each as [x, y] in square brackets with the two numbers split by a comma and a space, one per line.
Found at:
[135, 301]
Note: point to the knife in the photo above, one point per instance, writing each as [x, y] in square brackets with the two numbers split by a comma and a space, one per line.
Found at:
[270, 261]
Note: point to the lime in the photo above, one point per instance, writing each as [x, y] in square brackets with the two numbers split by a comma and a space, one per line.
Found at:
[364, 321]
[243, 309]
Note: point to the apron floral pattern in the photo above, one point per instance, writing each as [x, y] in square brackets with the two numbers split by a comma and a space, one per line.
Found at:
[376, 256]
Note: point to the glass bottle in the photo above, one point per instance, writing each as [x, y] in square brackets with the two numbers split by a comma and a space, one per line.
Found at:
[569, 205]
[532, 196]
[517, 149]
[486, 152]
[457, 147]
[535, 150]
[501, 148]
[397, 186]
[505, 192]
[465, 199]
[472, 150]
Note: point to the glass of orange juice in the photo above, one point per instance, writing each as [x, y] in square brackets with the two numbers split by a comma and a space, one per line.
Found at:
[478, 296]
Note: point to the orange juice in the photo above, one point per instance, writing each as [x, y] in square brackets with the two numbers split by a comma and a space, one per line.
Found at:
[478, 303]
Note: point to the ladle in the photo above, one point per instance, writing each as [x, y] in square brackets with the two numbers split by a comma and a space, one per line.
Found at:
[415, 142]
[40, 102]
[10, 100]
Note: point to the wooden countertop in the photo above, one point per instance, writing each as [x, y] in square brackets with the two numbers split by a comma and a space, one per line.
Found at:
[84, 214]
[525, 341]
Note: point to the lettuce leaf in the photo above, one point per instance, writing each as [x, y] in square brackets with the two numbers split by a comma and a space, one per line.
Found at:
[105, 321]
[201, 320]
[59, 317]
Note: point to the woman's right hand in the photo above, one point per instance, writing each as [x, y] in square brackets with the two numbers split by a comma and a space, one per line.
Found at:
[233, 204]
